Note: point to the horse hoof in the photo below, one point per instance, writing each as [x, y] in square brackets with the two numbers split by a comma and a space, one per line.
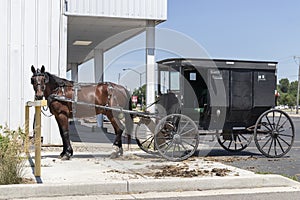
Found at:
[117, 152]
[65, 157]
[61, 155]
[113, 155]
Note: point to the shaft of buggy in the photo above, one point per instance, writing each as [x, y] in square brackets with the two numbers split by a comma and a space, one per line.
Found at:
[117, 109]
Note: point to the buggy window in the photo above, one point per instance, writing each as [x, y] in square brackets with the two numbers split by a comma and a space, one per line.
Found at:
[174, 81]
[193, 76]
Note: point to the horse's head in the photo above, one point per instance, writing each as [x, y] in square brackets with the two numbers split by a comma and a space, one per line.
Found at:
[39, 80]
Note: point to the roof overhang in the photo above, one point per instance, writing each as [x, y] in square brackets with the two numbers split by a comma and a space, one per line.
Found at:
[92, 23]
[99, 32]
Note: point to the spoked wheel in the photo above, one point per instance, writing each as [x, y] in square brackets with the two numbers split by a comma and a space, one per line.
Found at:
[144, 138]
[274, 133]
[176, 137]
[235, 141]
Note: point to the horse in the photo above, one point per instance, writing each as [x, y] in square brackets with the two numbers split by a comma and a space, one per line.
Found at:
[49, 86]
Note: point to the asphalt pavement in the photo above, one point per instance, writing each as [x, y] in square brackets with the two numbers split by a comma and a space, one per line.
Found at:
[252, 160]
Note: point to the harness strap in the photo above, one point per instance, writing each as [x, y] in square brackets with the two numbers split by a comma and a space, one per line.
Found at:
[59, 88]
[110, 93]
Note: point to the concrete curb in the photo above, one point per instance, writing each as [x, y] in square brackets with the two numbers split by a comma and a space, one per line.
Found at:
[50, 190]
[141, 186]
[206, 183]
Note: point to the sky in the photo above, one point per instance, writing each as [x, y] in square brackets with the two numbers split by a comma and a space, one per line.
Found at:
[267, 30]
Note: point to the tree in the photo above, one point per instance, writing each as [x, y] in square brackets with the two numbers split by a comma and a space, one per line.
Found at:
[284, 85]
[293, 88]
[141, 93]
[288, 92]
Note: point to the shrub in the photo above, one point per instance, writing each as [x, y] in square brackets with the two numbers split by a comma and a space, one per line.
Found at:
[11, 162]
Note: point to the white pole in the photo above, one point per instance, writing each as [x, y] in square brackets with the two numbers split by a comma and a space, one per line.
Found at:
[150, 64]
[297, 103]
[74, 72]
[98, 73]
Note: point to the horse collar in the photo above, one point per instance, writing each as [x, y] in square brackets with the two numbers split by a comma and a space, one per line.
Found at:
[62, 89]
[110, 92]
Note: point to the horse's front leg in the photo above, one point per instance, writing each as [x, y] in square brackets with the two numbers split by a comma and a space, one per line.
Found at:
[62, 121]
[117, 145]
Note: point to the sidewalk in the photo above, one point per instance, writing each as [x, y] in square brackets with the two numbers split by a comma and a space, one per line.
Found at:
[92, 172]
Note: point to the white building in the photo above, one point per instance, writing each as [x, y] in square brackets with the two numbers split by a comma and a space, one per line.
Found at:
[45, 32]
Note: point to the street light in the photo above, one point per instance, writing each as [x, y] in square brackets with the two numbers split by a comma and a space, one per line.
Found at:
[140, 74]
[297, 99]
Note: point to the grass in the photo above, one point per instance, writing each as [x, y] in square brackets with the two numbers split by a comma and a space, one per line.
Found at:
[295, 178]
[11, 161]
[263, 173]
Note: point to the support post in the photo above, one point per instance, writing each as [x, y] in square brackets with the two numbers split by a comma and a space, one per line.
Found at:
[297, 103]
[98, 70]
[74, 72]
[37, 141]
[37, 131]
[26, 142]
[150, 64]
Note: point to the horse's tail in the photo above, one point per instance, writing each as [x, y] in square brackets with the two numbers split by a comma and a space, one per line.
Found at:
[129, 121]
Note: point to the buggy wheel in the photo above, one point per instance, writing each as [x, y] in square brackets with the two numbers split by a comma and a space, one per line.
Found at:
[235, 141]
[144, 138]
[274, 133]
[176, 137]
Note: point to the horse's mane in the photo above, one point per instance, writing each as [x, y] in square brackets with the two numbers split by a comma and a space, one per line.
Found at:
[60, 81]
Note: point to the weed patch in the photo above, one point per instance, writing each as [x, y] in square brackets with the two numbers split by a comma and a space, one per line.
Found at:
[11, 161]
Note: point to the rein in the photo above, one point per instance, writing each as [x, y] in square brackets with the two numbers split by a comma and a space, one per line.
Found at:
[45, 109]
[54, 92]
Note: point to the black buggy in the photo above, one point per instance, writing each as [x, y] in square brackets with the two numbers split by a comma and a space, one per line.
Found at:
[231, 99]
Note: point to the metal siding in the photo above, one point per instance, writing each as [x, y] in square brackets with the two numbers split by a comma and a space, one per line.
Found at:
[121, 9]
[54, 38]
[130, 8]
[143, 8]
[14, 71]
[93, 7]
[136, 9]
[29, 47]
[4, 23]
[112, 7]
[29, 53]
[42, 31]
[31, 35]
[55, 56]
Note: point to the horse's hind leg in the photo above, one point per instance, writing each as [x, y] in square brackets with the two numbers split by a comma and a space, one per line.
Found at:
[62, 121]
[118, 128]
[129, 128]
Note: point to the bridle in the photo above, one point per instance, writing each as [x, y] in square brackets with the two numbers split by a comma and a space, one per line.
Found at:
[39, 81]
[39, 86]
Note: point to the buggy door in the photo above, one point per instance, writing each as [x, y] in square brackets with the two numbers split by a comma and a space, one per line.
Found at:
[195, 93]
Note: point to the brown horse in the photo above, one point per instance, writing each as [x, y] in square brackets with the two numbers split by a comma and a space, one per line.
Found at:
[50, 87]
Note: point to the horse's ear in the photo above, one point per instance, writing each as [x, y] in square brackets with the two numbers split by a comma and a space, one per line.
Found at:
[33, 69]
[43, 69]
[46, 78]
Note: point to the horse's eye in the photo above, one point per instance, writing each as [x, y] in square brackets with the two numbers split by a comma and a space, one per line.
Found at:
[32, 81]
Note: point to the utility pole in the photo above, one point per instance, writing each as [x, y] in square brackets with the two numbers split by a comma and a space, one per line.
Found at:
[297, 103]
[119, 77]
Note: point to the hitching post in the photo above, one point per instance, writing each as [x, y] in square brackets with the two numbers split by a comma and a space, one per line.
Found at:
[37, 141]
[37, 133]
[26, 146]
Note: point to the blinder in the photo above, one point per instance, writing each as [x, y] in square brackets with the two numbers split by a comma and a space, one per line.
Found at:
[39, 79]
[46, 78]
